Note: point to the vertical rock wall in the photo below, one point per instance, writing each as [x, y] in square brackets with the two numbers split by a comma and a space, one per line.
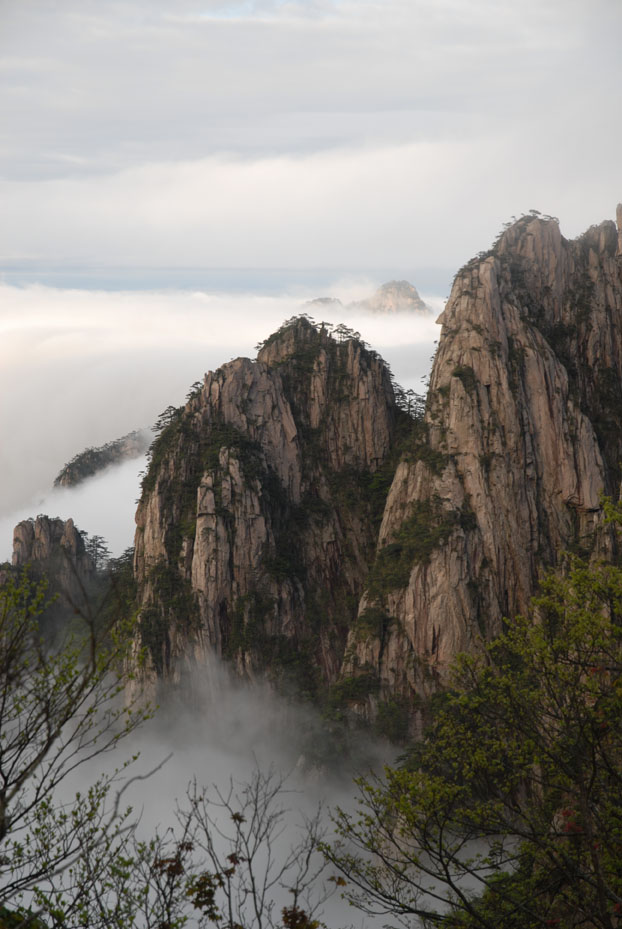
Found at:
[260, 511]
[523, 420]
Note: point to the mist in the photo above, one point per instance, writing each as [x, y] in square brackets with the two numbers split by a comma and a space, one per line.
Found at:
[221, 732]
[103, 505]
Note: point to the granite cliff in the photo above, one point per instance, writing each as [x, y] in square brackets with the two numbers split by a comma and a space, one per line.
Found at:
[260, 510]
[265, 531]
[523, 436]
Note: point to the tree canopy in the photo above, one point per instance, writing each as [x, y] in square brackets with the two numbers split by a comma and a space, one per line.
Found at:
[508, 814]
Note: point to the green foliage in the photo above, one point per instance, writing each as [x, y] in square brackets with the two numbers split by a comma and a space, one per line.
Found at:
[19, 919]
[392, 720]
[248, 625]
[509, 813]
[363, 491]
[92, 460]
[79, 863]
[433, 459]
[168, 430]
[59, 708]
[416, 447]
[466, 374]
[516, 362]
[246, 450]
[606, 415]
[175, 600]
[425, 529]
[354, 690]
[372, 623]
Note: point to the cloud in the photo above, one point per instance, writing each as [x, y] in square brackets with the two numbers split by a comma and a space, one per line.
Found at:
[126, 83]
[222, 731]
[425, 204]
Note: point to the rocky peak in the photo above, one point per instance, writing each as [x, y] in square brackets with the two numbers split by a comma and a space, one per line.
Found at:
[338, 388]
[392, 297]
[40, 540]
[259, 512]
[265, 531]
[55, 549]
[396, 297]
[523, 436]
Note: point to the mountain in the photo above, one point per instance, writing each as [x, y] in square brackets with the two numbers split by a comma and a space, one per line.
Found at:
[302, 523]
[295, 520]
[260, 510]
[523, 430]
[392, 297]
[55, 549]
[92, 460]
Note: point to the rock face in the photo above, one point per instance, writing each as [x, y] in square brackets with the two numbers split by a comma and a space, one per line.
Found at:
[260, 510]
[55, 548]
[93, 460]
[523, 435]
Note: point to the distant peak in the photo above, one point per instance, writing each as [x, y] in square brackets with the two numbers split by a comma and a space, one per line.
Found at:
[396, 297]
[391, 297]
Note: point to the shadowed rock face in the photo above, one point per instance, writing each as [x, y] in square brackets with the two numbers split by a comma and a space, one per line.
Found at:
[260, 511]
[523, 417]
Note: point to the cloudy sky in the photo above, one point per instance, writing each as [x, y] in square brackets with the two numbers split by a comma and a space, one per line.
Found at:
[176, 177]
[341, 134]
